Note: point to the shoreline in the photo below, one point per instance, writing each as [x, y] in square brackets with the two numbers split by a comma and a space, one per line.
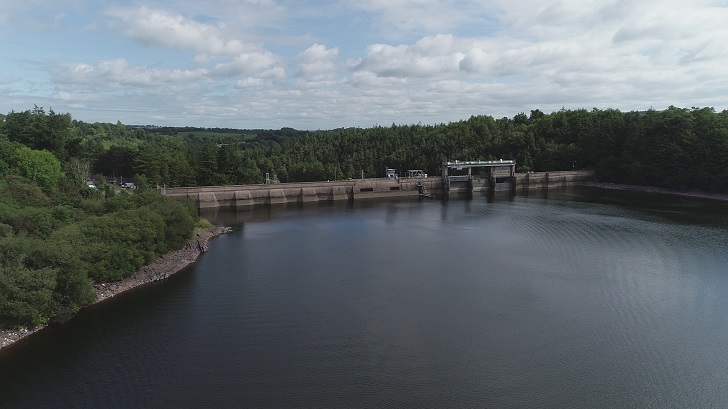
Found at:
[162, 268]
[659, 190]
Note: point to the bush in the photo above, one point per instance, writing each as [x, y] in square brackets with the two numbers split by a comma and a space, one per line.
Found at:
[34, 221]
[26, 296]
[121, 242]
[39, 166]
[61, 252]
[179, 221]
[46, 270]
[204, 224]
[6, 230]
[23, 191]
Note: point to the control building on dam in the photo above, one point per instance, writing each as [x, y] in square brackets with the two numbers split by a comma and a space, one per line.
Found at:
[479, 176]
[459, 177]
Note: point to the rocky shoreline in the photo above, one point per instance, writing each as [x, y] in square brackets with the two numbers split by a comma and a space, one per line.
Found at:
[164, 267]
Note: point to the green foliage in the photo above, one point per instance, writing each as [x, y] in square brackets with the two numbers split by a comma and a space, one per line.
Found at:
[26, 295]
[6, 230]
[179, 222]
[121, 242]
[146, 226]
[142, 184]
[204, 224]
[650, 147]
[7, 155]
[39, 166]
[22, 191]
[28, 255]
[39, 130]
[118, 160]
[47, 265]
[119, 202]
[56, 235]
[74, 289]
[89, 207]
[33, 221]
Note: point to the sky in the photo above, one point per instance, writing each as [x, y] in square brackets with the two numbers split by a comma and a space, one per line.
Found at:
[305, 64]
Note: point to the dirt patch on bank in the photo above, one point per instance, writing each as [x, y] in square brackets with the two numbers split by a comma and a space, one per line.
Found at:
[159, 270]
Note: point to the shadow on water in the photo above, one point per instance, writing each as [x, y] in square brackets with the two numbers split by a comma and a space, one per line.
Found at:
[675, 208]
[238, 216]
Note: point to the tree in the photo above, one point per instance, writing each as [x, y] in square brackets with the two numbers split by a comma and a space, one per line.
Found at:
[26, 295]
[121, 242]
[179, 220]
[39, 130]
[7, 155]
[117, 161]
[23, 191]
[40, 167]
[148, 162]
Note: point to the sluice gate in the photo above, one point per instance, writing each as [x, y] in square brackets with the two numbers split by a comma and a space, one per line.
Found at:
[489, 176]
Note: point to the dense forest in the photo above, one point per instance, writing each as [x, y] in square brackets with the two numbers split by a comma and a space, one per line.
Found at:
[675, 148]
[58, 236]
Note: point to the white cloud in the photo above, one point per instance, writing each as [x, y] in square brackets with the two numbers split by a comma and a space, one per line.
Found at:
[114, 75]
[331, 63]
[477, 60]
[156, 27]
[422, 16]
[250, 82]
[317, 63]
[430, 56]
[245, 64]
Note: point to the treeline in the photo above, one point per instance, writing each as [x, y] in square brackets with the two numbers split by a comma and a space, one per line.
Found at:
[58, 236]
[676, 148]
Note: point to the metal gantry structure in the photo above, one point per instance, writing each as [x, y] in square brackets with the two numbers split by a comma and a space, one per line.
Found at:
[497, 171]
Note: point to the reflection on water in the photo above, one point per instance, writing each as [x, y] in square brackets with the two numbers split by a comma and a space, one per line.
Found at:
[577, 298]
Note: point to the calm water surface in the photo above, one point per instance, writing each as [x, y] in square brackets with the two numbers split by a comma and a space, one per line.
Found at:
[581, 299]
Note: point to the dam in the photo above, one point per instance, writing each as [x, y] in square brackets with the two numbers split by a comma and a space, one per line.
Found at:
[495, 180]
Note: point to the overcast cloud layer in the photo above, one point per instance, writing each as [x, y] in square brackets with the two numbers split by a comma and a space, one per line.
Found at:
[338, 63]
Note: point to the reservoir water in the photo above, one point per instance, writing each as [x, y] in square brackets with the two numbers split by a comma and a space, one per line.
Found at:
[584, 298]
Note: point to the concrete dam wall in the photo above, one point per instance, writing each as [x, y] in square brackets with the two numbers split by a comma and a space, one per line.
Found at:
[206, 197]
[548, 180]
[248, 195]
